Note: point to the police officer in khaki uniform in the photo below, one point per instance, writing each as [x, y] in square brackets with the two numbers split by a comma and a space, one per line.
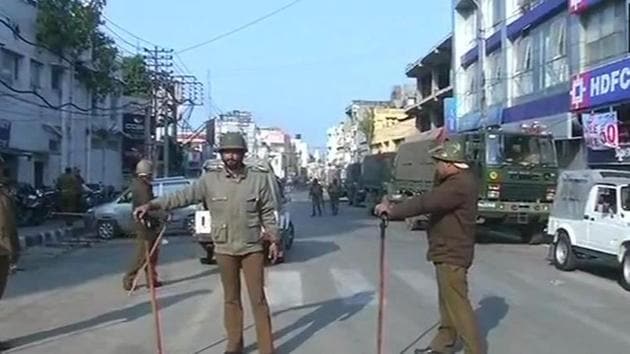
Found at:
[147, 229]
[241, 203]
[70, 188]
[9, 243]
[452, 205]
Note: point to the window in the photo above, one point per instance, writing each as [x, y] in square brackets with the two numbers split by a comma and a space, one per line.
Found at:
[556, 64]
[523, 75]
[470, 30]
[36, 74]
[497, 11]
[494, 78]
[604, 32]
[469, 89]
[10, 66]
[606, 201]
[56, 77]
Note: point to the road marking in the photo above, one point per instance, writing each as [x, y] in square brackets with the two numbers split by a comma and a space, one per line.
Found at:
[421, 283]
[353, 287]
[284, 289]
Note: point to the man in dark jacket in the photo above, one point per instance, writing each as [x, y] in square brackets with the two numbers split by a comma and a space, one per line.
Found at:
[317, 197]
[9, 243]
[452, 205]
[147, 230]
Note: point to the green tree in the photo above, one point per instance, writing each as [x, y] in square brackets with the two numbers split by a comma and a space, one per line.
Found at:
[366, 125]
[135, 76]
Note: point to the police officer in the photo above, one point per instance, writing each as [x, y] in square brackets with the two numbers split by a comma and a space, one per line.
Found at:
[241, 204]
[452, 205]
[333, 194]
[147, 229]
[9, 243]
[70, 188]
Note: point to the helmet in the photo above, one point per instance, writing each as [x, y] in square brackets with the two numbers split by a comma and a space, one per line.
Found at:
[144, 167]
[232, 140]
[450, 151]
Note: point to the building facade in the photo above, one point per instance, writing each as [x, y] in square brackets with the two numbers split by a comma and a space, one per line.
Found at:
[38, 141]
[391, 127]
[433, 76]
[275, 146]
[512, 67]
[238, 121]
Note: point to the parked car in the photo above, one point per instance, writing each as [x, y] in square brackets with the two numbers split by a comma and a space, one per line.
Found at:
[283, 217]
[115, 218]
[589, 220]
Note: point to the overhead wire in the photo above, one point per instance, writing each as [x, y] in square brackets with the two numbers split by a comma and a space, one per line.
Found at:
[240, 28]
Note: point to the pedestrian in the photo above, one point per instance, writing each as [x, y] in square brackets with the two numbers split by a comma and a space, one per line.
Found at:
[146, 229]
[334, 194]
[9, 243]
[317, 197]
[452, 206]
[70, 189]
[241, 204]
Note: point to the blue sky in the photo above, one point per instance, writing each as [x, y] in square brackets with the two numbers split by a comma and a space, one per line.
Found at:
[299, 69]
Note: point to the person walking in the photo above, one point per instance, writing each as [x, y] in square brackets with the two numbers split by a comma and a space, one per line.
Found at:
[241, 204]
[317, 197]
[333, 193]
[147, 228]
[452, 205]
[9, 243]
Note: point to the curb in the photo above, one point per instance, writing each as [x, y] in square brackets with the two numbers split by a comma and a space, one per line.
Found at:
[49, 237]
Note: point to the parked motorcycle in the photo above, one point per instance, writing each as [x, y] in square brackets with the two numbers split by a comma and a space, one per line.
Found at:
[29, 202]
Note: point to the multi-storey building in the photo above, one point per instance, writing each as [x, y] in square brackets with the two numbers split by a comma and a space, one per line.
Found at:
[391, 127]
[238, 121]
[511, 63]
[432, 73]
[38, 141]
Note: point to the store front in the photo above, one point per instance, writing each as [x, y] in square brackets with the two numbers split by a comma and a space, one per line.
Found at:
[601, 99]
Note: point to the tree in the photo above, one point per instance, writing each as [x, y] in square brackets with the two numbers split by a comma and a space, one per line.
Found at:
[136, 77]
[69, 28]
[366, 125]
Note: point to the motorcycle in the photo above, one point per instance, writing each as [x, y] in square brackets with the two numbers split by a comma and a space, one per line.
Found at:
[30, 206]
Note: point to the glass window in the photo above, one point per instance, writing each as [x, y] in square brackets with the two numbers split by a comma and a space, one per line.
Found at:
[36, 74]
[556, 68]
[56, 75]
[524, 150]
[495, 78]
[10, 66]
[604, 32]
[606, 201]
[168, 187]
[524, 76]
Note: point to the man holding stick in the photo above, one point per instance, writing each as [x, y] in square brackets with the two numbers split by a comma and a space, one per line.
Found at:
[452, 205]
[147, 229]
[241, 203]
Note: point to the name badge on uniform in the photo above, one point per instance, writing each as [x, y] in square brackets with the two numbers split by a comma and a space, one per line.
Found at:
[203, 222]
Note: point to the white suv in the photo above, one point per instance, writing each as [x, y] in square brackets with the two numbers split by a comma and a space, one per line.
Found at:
[590, 219]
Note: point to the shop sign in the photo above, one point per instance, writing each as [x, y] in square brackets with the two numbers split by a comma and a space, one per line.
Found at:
[601, 130]
[601, 86]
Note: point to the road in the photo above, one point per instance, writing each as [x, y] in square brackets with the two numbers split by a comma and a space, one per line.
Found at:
[323, 299]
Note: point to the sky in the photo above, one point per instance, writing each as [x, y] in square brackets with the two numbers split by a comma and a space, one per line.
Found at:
[298, 69]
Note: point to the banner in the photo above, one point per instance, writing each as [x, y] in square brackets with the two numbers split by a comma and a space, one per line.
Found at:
[601, 130]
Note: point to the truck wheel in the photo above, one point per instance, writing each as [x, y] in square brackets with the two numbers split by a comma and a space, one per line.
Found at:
[563, 255]
[624, 279]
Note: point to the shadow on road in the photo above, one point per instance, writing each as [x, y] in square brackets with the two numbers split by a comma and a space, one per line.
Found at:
[323, 314]
[127, 314]
[199, 275]
[491, 311]
[303, 250]
[83, 265]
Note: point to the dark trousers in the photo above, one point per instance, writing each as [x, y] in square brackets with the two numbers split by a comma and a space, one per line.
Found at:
[317, 206]
[5, 266]
[334, 205]
[253, 270]
[457, 318]
[138, 261]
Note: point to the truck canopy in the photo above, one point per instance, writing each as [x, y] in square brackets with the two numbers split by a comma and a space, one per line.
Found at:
[574, 190]
[376, 169]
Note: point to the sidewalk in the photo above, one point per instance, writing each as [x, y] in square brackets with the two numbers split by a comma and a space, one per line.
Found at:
[51, 232]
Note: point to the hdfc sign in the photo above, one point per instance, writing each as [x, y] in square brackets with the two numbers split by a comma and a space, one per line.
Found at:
[602, 86]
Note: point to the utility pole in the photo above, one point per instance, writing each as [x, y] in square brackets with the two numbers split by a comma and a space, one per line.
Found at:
[481, 46]
[158, 61]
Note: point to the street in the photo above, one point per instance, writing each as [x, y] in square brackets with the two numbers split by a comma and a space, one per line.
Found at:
[324, 299]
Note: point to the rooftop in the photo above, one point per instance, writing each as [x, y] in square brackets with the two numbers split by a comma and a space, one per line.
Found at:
[438, 55]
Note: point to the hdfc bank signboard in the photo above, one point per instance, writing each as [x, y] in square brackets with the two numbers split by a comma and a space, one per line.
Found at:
[602, 86]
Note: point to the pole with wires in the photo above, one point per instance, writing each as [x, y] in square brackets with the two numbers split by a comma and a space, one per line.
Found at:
[381, 286]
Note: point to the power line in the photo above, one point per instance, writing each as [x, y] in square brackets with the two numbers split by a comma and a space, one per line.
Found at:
[242, 27]
[128, 32]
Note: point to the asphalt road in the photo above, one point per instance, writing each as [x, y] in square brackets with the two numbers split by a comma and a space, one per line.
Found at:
[324, 299]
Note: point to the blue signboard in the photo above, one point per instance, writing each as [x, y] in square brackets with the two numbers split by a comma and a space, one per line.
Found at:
[601, 86]
[450, 115]
[5, 133]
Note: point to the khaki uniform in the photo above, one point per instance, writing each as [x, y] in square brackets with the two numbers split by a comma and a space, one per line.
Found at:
[9, 242]
[452, 205]
[333, 193]
[70, 188]
[317, 197]
[240, 207]
[142, 193]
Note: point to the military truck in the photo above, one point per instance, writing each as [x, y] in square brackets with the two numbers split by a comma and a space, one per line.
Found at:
[517, 174]
[375, 173]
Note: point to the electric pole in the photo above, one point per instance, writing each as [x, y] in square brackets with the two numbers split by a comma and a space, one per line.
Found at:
[481, 46]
